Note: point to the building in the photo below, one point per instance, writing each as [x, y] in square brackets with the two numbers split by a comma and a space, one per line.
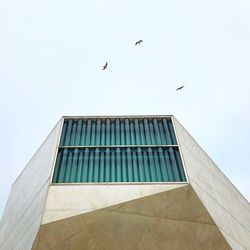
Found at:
[136, 182]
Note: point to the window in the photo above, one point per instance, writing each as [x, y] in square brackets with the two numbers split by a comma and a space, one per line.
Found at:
[118, 150]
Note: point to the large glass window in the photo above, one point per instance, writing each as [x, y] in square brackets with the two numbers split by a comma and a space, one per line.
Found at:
[99, 132]
[136, 164]
[118, 150]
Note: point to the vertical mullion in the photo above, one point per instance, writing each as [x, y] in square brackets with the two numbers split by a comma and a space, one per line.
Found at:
[129, 165]
[91, 166]
[152, 134]
[147, 133]
[173, 164]
[167, 133]
[162, 134]
[68, 167]
[79, 167]
[163, 165]
[117, 132]
[107, 132]
[107, 165]
[96, 167]
[102, 158]
[64, 131]
[113, 142]
[83, 135]
[85, 166]
[88, 133]
[146, 165]
[172, 134]
[137, 132]
[103, 134]
[180, 166]
[127, 131]
[98, 133]
[74, 166]
[63, 166]
[135, 167]
[124, 166]
[68, 134]
[140, 166]
[132, 134]
[152, 165]
[73, 135]
[157, 166]
[78, 132]
[118, 165]
[169, 165]
[113, 167]
[58, 166]
[157, 132]
[142, 134]
[93, 138]
[123, 142]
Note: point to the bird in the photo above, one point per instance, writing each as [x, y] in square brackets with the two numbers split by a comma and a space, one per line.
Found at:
[105, 66]
[180, 88]
[138, 42]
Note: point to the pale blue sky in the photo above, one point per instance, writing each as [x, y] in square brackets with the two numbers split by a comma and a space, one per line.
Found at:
[52, 52]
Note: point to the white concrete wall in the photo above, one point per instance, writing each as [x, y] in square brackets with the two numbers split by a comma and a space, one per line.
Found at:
[229, 209]
[69, 200]
[23, 213]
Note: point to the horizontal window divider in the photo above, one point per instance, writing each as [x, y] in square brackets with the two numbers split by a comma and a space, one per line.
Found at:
[131, 117]
[120, 146]
[118, 183]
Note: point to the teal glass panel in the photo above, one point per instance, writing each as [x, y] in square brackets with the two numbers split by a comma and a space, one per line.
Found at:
[85, 165]
[146, 167]
[107, 156]
[98, 132]
[124, 167]
[58, 165]
[118, 165]
[137, 164]
[109, 132]
[96, 168]
[102, 171]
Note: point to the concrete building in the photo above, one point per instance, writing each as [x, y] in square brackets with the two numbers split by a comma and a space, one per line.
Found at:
[123, 183]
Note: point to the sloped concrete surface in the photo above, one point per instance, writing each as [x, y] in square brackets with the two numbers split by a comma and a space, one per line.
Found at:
[228, 208]
[174, 219]
[65, 201]
[23, 213]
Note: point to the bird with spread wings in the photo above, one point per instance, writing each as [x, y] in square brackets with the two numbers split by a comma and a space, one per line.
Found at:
[105, 66]
[180, 88]
[138, 42]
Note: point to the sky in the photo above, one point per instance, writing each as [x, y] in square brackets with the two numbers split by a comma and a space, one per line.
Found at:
[51, 58]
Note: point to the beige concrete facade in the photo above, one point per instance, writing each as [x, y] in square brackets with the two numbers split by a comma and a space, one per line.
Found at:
[23, 213]
[173, 219]
[207, 212]
[228, 208]
[64, 201]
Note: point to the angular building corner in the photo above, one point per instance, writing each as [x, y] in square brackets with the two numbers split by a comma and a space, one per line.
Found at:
[24, 209]
[127, 182]
[225, 204]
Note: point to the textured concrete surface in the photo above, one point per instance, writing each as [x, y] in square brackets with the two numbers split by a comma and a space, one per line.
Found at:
[23, 213]
[174, 219]
[207, 213]
[68, 200]
[228, 208]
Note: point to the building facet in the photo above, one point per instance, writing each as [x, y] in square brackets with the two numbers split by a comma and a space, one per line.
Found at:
[128, 182]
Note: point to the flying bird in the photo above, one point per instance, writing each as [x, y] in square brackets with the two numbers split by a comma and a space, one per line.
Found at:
[138, 42]
[105, 66]
[180, 88]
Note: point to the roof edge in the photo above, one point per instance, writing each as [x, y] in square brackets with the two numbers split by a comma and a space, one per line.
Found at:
[115, 116]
